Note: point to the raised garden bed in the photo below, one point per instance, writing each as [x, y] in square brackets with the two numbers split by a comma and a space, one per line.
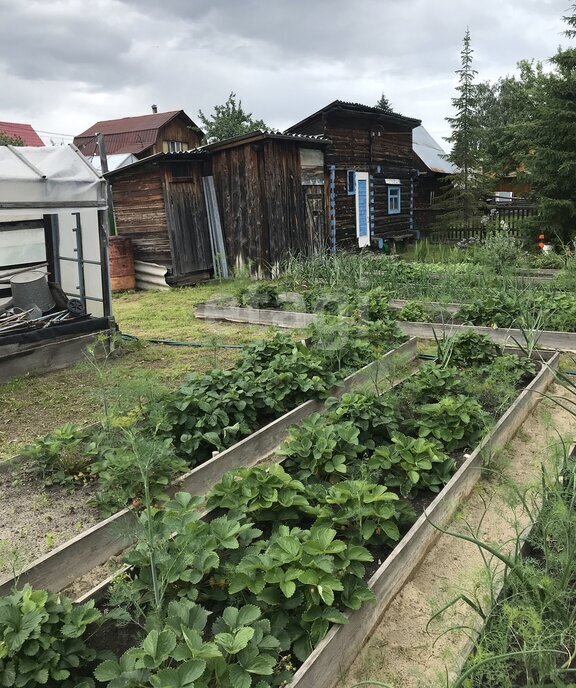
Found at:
[334, 654]
[545, 339]
[93, 547]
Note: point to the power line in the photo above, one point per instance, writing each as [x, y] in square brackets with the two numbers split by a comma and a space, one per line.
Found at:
[55, 133]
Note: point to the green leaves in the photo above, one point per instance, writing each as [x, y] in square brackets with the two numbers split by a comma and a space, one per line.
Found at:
[321, 447]
[232, 643]
[157, 647]
[41, 638]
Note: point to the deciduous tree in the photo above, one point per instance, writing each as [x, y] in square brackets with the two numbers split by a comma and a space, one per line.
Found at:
[229, 120]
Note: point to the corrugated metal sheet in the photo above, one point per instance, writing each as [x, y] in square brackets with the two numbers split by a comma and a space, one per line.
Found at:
[21, 131]
[430, 152]
[150, 276]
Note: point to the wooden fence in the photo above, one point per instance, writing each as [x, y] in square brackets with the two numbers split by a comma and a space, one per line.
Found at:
[512, 214]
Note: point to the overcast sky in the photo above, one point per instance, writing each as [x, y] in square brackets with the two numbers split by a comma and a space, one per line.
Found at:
[64, 64]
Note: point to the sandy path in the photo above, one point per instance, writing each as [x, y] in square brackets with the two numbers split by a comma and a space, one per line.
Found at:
[401, 651]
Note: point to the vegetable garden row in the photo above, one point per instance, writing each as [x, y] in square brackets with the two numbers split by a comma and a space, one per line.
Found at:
[240, 587]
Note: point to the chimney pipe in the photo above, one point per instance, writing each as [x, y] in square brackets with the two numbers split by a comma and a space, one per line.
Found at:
[155, 109]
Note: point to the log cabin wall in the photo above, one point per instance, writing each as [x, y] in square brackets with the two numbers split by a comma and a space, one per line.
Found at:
[365, 143]
[140, 213]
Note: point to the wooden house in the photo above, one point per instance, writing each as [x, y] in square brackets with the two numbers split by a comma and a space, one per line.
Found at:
[269, 193]
[145, 135]
[371, 171]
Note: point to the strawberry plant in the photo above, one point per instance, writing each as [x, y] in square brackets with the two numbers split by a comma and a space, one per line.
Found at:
[412, 464]
[455, 422]
[266, 494]
[469, 349]
[430, 383]
[320, 447]
[41, 640]
[375, 416]
[181, 654]
[309, 572]
[119, 471]
[187, 553]
[63, 456]
[361, 512]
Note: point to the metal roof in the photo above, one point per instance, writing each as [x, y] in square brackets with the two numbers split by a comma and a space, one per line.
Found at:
[358, 108]
[430, 152]
[21, 131]
[194, 155]
[258, 135]
[128, 134]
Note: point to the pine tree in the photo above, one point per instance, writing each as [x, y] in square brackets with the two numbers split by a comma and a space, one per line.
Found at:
[384, 104]
[468, 184]
[229, 120]
[554, 161]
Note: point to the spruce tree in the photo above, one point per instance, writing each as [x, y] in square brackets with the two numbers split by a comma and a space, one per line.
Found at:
[554, 160]
[384, 104]
[469, 184]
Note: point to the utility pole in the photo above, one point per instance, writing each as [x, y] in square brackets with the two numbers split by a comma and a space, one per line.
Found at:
[104, 170]
[102, 153]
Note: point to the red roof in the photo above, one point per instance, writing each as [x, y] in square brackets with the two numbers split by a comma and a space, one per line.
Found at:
[21, 131]
[128, 134]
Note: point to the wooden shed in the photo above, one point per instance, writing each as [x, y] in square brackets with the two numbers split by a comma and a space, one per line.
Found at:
[268, 190]
[371, 169]
[159, 204]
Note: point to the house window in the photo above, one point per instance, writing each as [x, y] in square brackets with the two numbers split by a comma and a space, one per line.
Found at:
[351, 182]
[176, 146]
[393, 200]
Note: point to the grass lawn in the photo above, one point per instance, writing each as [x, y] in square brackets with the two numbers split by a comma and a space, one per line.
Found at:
[36, 404]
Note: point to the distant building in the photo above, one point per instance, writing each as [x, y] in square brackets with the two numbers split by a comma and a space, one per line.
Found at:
[21, 131]
[159, 132]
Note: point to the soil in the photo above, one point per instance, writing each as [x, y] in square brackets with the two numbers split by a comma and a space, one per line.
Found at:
[35, 519]
[404, 651]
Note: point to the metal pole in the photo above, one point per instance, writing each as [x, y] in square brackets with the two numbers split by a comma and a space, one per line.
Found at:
[102, 153]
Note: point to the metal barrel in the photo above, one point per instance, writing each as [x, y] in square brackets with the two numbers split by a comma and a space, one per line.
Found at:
[122, 275]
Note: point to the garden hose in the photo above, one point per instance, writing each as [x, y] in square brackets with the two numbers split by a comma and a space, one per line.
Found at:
[172, 342]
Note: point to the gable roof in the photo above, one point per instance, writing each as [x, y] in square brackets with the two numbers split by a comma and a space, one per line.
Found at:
[347, 108]
[128, 134]
[21, 131]
[430, 152]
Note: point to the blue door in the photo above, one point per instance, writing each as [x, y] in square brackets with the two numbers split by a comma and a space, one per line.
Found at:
[362, 209]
